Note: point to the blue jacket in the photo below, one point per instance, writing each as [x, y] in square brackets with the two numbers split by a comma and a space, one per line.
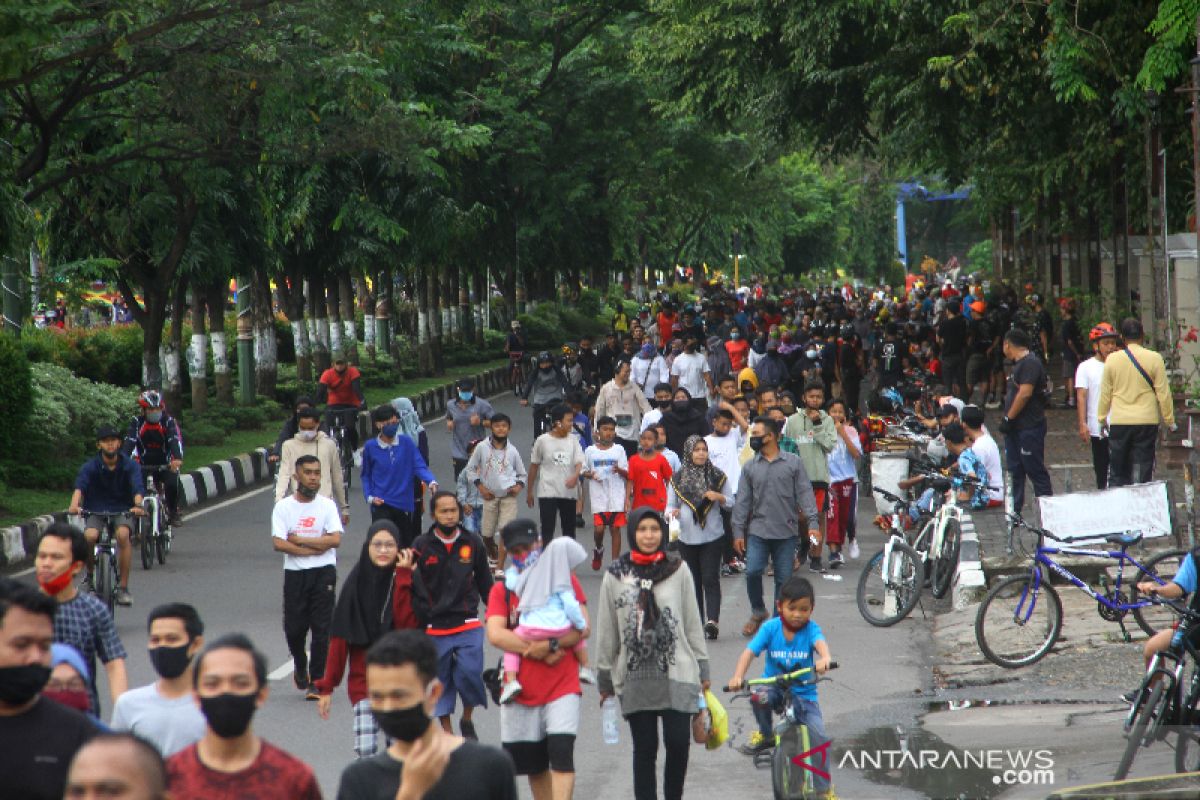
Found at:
[387, 472]
[107, 489]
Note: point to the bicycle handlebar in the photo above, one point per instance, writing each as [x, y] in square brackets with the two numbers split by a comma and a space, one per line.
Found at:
[781, 680]
[1178, 608]
[888, 495]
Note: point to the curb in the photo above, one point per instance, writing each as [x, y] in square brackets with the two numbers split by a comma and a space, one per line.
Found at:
[17, 542]
[970, 584]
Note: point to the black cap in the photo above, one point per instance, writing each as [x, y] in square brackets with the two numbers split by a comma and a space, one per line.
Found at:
[544, 356]
[519, 532]
[947, 410]
[106, 432]
[466, 383]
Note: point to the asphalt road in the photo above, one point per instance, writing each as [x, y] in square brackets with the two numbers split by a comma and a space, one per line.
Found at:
[224, 565]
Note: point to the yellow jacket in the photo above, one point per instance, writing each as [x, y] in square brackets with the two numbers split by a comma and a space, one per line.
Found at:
[1128, 396]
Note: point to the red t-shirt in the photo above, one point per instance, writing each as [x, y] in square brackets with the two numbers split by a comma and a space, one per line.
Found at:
[666, 324]
[273, 774]
[341, 386]
[540, 683]
[738, 352]
[649, 479]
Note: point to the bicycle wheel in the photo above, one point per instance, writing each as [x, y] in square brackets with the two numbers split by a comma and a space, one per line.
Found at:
[347, 467]
[790, 781]
[145, 536]
[946, 563]
[105, 581]
[1187, 747]
[162, 543]
[1008, 642]
[1152, 709]
[884, 600]
[1153, 619]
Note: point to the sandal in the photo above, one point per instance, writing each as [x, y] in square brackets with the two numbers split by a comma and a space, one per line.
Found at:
[753, 624]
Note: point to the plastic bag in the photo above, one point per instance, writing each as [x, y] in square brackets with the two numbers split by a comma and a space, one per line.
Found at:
[674, 528]
[718, 731]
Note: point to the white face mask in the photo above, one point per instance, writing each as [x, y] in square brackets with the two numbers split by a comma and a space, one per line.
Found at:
[307, 436]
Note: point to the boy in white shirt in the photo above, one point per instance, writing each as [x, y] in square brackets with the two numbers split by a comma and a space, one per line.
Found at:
[605, 466]
[985, 447]
[1088, 376]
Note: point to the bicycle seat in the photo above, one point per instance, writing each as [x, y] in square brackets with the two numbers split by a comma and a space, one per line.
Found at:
[1123, 539]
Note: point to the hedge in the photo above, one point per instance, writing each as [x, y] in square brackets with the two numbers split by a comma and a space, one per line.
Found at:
[16, 395]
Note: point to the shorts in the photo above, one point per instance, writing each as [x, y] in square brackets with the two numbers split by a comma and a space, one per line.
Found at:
[460, 669]
[615, 519]
[977, 369]
[97, 522]
[538, 738]
[1069, 365]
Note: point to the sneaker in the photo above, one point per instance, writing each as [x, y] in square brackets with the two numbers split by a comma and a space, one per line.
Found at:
[122, 597]
[711, 631]
[738, 566]
[597, 559]
[836, 560]
[814, 565]
[854, 551]
[1130, 696]
[467, 729]
[757, 744]
[511, 690]
[176, 519]
[300, 678]
[726, 571]
[587, 676]
[993, 404]
[311, 693]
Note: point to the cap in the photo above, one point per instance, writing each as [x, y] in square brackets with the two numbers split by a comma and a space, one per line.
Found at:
[106, 432]
[544, 356]
[466, 383]
[979, 306]
[518, 532]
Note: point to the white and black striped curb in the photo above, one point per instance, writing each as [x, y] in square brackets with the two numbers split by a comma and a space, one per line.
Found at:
[969, 582]
[18, 542]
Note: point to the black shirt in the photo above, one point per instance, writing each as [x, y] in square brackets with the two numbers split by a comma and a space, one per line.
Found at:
[982, 335]
[1028, 370]
[891, 363]
[953, 333]
[36, 749]
[474, 772]
[1071, 340]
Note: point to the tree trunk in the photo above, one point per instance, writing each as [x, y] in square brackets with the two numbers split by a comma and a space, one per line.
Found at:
[383, 312]
[482, 295]
[222, 377]
[466, 315]
[171, 352]
[152, 320]
[334, 309]
[318, 321]
[435, 315]
[349, 328]
[197, 355]
[424, 323]
[266, 349]
[366, 301]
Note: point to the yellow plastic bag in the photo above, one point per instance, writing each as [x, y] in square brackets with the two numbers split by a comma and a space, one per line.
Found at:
[719, 732]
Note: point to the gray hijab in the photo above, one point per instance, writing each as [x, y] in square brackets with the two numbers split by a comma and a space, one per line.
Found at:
[410, 421]
[550, 574]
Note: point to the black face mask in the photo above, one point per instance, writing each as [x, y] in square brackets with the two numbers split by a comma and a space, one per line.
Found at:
[404, 724]
[229, 714]
[756, 443]
[306, 491]
[19, 685]
[663, 404]
[681, 405]
[170, 662]
[447, 530]
[500, 440]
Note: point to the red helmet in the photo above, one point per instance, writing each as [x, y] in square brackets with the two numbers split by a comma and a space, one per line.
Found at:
[150, 399]
[1102, 331]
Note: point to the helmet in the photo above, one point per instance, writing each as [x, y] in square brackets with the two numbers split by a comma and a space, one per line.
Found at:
[544, 356]
[1102, 331]
[150, 399]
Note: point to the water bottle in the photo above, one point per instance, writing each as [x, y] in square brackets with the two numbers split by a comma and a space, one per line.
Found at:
[1177, 637]
[611, 720]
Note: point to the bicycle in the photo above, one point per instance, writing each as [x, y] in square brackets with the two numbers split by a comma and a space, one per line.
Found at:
[107, 570]
[1005, 619]
[154, 529]
[1161, 706]
[341, 436]
[897, 572]
[516, 372]
[792, 756]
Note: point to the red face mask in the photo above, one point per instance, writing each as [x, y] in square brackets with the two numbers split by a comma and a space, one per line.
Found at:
[55, 585]
[71, 698]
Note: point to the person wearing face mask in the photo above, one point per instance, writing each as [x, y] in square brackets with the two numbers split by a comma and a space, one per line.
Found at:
[546, 387]
[340, 388]
[647, 370]
[376, 598]
[69, 679]
[164, 713]
[423, 762]
[660, 404]
[690, 370]
[683, 419]
[738, 348]
[497, 471]
[305, 527]
[311, 441]
[450, 577]
[289, 427]
[391, 467]
[82, 620]
[38, 737]
[230, 685]
[155, 441]
[468, 418]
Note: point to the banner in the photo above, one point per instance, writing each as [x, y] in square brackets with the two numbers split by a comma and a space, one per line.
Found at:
[1143, 508]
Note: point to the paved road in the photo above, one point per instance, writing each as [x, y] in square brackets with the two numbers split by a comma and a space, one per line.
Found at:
[224, 565]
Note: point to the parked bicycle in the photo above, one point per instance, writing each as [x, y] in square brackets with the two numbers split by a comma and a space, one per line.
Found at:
[107, 571]
[791, 759]
[1014, 630]
[1165, 703]
[154, 529]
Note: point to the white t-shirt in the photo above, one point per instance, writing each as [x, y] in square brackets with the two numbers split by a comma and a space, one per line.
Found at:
[1088, 375]
[607, 489]
[989, 453]
[556, 459]
[690, 367]
[651, 417]
[168, 724]
[723, 453]
[315, 518]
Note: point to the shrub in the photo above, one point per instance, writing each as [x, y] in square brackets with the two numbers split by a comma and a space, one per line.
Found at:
[16, 394]
[542, 333]
[591, 304]
[110, 354]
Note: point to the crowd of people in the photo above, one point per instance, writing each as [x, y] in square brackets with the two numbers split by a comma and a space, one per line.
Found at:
[726, 437]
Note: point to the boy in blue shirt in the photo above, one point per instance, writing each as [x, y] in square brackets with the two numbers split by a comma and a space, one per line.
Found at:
[791, 641]
[1182, 585]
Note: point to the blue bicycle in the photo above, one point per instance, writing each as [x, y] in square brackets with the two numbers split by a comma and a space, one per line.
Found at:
[1014, 630]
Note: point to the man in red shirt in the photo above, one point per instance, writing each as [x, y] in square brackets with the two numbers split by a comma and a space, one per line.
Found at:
[230, 761]
[666, 325]
[649, 472]
[340, 388]
[738, 349]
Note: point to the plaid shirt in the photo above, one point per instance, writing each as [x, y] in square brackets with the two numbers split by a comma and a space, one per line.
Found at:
[84, 623]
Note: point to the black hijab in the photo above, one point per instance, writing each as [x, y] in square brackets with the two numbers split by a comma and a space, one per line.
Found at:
[663, 566]
[682, 424]
[364, 611]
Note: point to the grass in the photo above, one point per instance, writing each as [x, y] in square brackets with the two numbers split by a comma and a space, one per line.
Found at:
[19, 505]
[410, 388]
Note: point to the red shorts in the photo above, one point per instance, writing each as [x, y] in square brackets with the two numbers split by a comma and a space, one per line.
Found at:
[615, 519]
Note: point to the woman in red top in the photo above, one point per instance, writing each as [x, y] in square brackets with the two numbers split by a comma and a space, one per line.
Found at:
[375, 599]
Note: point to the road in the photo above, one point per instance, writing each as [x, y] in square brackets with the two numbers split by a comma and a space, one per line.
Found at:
[224, 565]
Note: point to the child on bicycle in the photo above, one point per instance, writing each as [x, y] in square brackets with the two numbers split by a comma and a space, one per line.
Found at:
[791, 641]
[1182, 585]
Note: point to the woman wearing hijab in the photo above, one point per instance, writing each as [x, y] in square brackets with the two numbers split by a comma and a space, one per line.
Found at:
[695, 497]
[718, 359]
[376, 598]
[682, 420]
[651, 652]
[410, 426]
[648, 369]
